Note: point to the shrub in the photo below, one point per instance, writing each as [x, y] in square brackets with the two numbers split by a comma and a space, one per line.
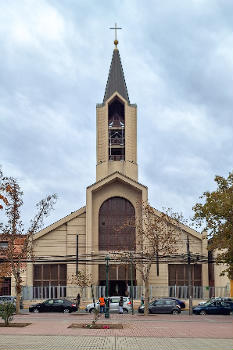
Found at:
[7, 311]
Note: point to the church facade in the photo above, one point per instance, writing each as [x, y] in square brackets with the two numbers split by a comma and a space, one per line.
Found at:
[81, 240]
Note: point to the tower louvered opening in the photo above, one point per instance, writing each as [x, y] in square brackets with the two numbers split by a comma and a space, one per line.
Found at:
[116, 130]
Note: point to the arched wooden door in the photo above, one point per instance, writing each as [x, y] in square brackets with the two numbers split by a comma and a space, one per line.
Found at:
[114, 231]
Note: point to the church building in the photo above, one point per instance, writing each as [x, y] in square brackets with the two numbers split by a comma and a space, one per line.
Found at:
[81, 240]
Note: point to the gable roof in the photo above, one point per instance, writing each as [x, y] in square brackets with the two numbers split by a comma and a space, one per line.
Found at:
[119, 175]
[116, 79]
[185, 228]
[58, 223]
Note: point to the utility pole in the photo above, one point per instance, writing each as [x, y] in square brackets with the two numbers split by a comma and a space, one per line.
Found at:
[131, 284]
[76, 255]
[189, 277]
[157, 259]
[106, 295]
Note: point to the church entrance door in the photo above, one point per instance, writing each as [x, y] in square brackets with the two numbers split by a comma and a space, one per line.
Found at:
[118, 279]
[117, 288]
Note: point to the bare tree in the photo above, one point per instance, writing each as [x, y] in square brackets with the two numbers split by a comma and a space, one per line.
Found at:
[4, 188]
[19, 240]
[82, 279]
[157, 234]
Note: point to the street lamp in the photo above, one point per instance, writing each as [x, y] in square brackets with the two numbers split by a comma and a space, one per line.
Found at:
[131, 284]
[107, 259]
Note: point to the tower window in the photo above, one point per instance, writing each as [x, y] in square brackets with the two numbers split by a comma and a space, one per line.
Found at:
[117, 154]
[116, 126]
[115, 212]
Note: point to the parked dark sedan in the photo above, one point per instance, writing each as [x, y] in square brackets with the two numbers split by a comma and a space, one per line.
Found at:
[162, 306]
[54, 305]
[228, 301]
[179, 302]
[212, 308]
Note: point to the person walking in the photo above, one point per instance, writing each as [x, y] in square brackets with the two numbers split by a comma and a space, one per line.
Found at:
[102, 304]
[78, 299]
[121, 302]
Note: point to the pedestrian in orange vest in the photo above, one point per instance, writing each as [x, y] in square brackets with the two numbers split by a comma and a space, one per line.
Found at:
[102, 304]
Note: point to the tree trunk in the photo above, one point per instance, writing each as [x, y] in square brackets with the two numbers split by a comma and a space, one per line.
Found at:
[146, 301]
[18, 289]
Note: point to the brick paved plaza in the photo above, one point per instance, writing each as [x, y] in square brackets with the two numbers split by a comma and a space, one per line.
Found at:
[165, 332]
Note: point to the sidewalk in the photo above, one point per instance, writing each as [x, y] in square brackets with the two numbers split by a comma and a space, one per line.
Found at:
[110, 343]
[160, 326]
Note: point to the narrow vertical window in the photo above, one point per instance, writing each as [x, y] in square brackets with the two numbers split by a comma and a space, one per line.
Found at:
[116, 130]
[114, 213]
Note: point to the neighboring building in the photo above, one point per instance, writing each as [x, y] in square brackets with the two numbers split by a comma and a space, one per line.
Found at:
[6, 280]
[89, 233]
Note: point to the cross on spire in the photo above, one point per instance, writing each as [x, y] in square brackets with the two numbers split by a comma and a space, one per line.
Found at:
[115, 28]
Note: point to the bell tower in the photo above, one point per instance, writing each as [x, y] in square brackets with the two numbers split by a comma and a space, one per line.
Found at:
[116, 127]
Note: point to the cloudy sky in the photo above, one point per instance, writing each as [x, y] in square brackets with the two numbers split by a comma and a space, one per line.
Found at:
[177, 57]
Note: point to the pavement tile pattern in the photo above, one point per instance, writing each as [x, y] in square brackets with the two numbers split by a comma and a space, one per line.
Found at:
[110, 343]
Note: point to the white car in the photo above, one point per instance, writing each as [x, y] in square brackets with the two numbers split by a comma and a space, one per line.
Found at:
[209, 300]
[113, 305]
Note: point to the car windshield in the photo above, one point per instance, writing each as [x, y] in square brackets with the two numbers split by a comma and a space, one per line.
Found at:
[115, 300]
[208, 303]
[59, 301]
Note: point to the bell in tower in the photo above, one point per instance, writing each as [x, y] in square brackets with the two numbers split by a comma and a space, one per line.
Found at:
[116, 130]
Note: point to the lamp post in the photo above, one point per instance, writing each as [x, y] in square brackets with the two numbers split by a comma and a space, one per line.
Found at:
[131, 284]
[189, 277]
[107, 259]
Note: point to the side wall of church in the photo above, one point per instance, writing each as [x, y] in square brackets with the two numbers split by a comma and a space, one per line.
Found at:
[220, 280]
[198, 246]
[61, 242]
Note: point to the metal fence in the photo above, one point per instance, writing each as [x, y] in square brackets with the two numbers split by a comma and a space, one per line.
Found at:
[70, 292]
[182, 292]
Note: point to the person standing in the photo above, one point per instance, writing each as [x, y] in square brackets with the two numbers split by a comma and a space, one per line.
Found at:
[102, 304]
[121, 302]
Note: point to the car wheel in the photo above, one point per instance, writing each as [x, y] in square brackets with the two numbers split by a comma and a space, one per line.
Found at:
[66, 311]
[175, 312]
[36, 311]
[202, 312]
[125, 311]
[92, 311]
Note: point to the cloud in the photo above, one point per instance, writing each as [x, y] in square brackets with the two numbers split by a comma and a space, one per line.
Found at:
[177, 59]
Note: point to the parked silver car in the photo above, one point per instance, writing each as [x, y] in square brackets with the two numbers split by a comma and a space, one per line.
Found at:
[10, 299]
[7, 299]
[113, 305]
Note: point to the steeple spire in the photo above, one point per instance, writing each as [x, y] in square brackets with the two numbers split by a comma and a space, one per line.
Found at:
[116, 80]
